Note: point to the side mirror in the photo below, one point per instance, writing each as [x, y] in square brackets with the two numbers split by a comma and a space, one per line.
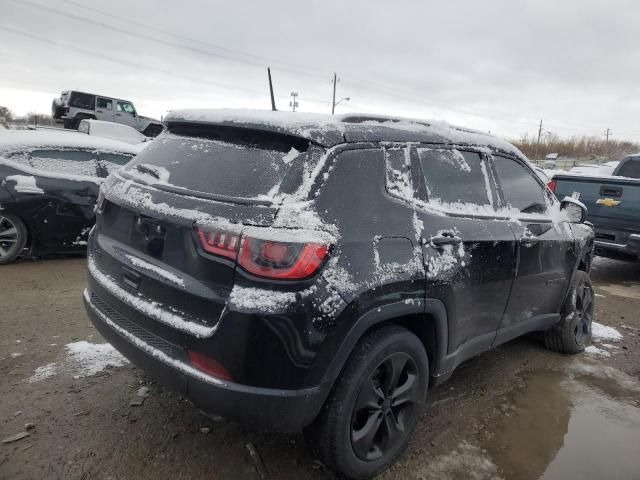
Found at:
[575, 210]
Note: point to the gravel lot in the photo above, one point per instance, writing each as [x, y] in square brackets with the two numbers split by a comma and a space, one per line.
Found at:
[517, 411]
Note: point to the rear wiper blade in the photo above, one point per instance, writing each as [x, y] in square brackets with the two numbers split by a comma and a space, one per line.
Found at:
[150, 171]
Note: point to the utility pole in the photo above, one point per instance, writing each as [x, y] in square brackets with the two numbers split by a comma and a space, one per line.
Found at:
[607, 133]
[294, 103]
[333, 103]
[273, 100]
[539, 135]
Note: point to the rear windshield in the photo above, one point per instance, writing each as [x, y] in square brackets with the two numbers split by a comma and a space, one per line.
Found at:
[228, 162]
[630, 169]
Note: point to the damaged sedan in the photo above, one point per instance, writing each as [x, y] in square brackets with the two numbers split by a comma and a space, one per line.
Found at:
[49, 183]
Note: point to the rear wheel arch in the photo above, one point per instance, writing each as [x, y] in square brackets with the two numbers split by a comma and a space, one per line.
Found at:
[427, 319]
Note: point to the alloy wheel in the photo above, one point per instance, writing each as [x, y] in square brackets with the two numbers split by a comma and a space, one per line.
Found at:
[385, 407]
[8, 237]
[584, 312]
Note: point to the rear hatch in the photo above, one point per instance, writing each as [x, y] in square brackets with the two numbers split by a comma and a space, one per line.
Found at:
[222, 179]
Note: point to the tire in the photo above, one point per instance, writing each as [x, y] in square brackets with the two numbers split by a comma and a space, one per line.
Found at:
[13, 237]
[573, 332]
[338, 435]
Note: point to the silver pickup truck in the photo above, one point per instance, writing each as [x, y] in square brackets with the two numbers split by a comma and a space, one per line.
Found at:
[72, 107]
[614, 206]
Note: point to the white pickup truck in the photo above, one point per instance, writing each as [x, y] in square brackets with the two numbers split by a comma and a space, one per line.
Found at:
[72, 107]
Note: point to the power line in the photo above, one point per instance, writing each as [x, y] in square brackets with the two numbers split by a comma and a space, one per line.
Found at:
[232, 55]
[256, 60]
[264, 60]
[136, 65]
[366, 84]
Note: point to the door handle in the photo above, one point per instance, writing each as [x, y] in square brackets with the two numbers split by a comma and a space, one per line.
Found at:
[118, 114]
[99, 111]
[445, 239]
[528, 241]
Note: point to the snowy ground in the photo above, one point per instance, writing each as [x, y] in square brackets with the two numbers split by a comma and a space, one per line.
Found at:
[518, 411]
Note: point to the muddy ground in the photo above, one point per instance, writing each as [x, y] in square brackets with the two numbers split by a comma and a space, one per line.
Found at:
[517, 412]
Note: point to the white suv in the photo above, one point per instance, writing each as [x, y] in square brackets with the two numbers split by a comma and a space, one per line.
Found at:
[72, 107]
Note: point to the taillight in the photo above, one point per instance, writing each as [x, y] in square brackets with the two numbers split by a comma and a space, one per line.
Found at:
[208, 365]
[265, 258]
[552, 185]
[281, 260]
[219, 242]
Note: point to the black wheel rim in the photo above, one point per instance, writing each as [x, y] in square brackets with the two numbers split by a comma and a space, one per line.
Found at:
[584, 313]
[8, 237]
[385, 407]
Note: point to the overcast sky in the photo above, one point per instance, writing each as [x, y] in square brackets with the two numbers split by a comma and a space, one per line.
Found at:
[498, 65]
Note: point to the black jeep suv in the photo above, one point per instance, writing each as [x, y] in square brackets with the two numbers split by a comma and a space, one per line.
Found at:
[321, 273]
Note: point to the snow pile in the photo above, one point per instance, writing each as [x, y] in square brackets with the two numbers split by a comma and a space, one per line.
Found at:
[44, 372]
[24, 184]
[83, 359]
[114, 131]
[59, 139]
[160, 272]
[592, 349]
[603, 332]
[88, 359]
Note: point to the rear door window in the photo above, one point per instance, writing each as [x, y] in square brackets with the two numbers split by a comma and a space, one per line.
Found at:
[224, 161]
[454, 177]
[520, 187]
[71, 162]
[104, 103]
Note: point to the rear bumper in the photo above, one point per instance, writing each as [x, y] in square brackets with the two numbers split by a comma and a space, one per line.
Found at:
[273, 409]
[631, 247]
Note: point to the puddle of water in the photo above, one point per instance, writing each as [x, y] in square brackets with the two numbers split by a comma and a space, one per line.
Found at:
[563, 427]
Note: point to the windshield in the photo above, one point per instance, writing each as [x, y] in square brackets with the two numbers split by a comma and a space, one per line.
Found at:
[223, 162]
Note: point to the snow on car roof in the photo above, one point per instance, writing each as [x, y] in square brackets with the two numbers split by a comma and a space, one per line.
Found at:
[329, 130]
[59, 138]
[114, 131]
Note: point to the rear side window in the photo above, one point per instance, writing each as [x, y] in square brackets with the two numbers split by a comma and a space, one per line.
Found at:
[226, 161]
[72, 162]
[520, 188]
[455, 177]
[82, 100]
[630, 169]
